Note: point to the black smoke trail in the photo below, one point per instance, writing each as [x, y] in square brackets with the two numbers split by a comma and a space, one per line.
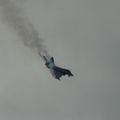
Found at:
[14, 17]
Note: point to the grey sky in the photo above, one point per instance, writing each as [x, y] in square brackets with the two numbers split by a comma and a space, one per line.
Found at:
[82, 35]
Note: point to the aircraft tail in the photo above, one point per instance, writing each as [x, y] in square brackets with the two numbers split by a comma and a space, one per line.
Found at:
[52, 59]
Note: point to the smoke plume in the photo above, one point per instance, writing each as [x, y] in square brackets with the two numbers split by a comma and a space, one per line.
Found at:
[14, 17]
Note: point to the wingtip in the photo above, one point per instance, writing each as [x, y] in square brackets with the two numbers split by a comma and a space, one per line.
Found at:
[71, 75]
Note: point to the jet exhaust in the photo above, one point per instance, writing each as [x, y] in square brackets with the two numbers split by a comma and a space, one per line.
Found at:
[14, 17]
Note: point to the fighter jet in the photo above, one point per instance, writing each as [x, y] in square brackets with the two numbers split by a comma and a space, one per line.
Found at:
[56, 71]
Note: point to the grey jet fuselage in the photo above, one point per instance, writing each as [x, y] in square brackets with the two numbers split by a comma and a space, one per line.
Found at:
[56, 71]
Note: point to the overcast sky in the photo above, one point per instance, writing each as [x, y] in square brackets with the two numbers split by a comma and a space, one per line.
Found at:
[83, 36]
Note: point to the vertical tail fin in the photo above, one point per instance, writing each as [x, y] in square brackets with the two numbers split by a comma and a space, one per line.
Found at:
[52, 59]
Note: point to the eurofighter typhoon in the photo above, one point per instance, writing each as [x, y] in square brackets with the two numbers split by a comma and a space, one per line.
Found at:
[56, 71]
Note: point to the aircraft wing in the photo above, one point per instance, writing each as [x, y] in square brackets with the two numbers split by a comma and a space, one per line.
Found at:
[58, 72]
